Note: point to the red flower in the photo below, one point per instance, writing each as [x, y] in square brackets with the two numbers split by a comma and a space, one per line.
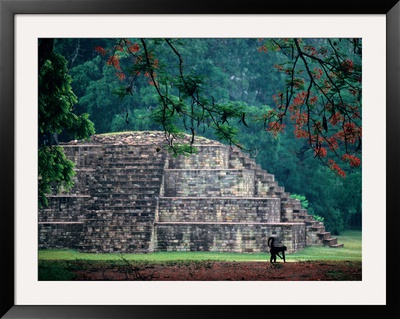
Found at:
[336, 118]
[100, 50]
[275, 127]
[114, 61]
[300, 98]
[134, 48]
[121, 76]
[262, 48]
[335, 167]
[313, 100]
[317, 73]
[348, 65]
[321, 152]
[353, 160]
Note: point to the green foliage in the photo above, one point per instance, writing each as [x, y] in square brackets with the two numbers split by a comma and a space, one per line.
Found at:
[321, 96]
[56, 101]
[223, 89]
[55, 271]
[55, 172]
[56, 116]
[304, 204]
[303, 200]
[318, 218]
[100, 103]
[136, 120]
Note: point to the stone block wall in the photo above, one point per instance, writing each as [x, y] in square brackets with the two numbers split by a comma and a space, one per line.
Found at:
[114, 199]
[60, 234]
[219, 209]
[227, 237]
[208, 157]
[85, 156]
[131, 196]
[63, 208]
[208, 182]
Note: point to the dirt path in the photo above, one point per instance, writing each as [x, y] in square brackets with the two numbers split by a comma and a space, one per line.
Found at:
[215, 270]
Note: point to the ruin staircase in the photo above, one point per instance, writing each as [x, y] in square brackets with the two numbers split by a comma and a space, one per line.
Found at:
[290, 207]
[113, 199]
[129, 197]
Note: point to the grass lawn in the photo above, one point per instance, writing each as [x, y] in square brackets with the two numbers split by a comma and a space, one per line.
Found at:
[351, 251]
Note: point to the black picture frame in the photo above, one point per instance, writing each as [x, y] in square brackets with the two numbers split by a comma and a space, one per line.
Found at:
[8, 10]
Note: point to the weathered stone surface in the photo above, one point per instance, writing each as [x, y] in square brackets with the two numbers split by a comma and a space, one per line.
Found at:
[131, 196]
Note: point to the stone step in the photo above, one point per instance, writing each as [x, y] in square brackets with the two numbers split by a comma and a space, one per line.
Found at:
[239, 153]
[303, 218]
[61, 220]
[123, 174]
[133, 221]
[300, 211]
[336, 245]
[133, 200]
[131, 165]
[133, 149]
[319, 229]
[330, 241]
[131, 157]
[126, 181]
[130, 217]
[103, 202]
[126, 193]
[251, 166]
[324, 235]
[293, 204]
[276, 191]
[112, 183]
[124, 201]
[264, 176]
[135, 192]
[285, 197]
[141, 196]
[313, 222]
[118, 210]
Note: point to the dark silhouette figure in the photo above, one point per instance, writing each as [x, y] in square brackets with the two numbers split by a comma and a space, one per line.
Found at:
[274, 251]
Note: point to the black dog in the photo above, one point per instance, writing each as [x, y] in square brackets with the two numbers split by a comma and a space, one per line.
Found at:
[276, 250]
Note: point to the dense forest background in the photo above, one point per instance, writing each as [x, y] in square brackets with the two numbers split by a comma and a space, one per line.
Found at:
[233, 71]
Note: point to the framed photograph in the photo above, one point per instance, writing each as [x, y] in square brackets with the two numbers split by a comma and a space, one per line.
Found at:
[25, 23]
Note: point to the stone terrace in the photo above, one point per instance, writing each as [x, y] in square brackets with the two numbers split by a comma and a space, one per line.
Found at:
[130, 195]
